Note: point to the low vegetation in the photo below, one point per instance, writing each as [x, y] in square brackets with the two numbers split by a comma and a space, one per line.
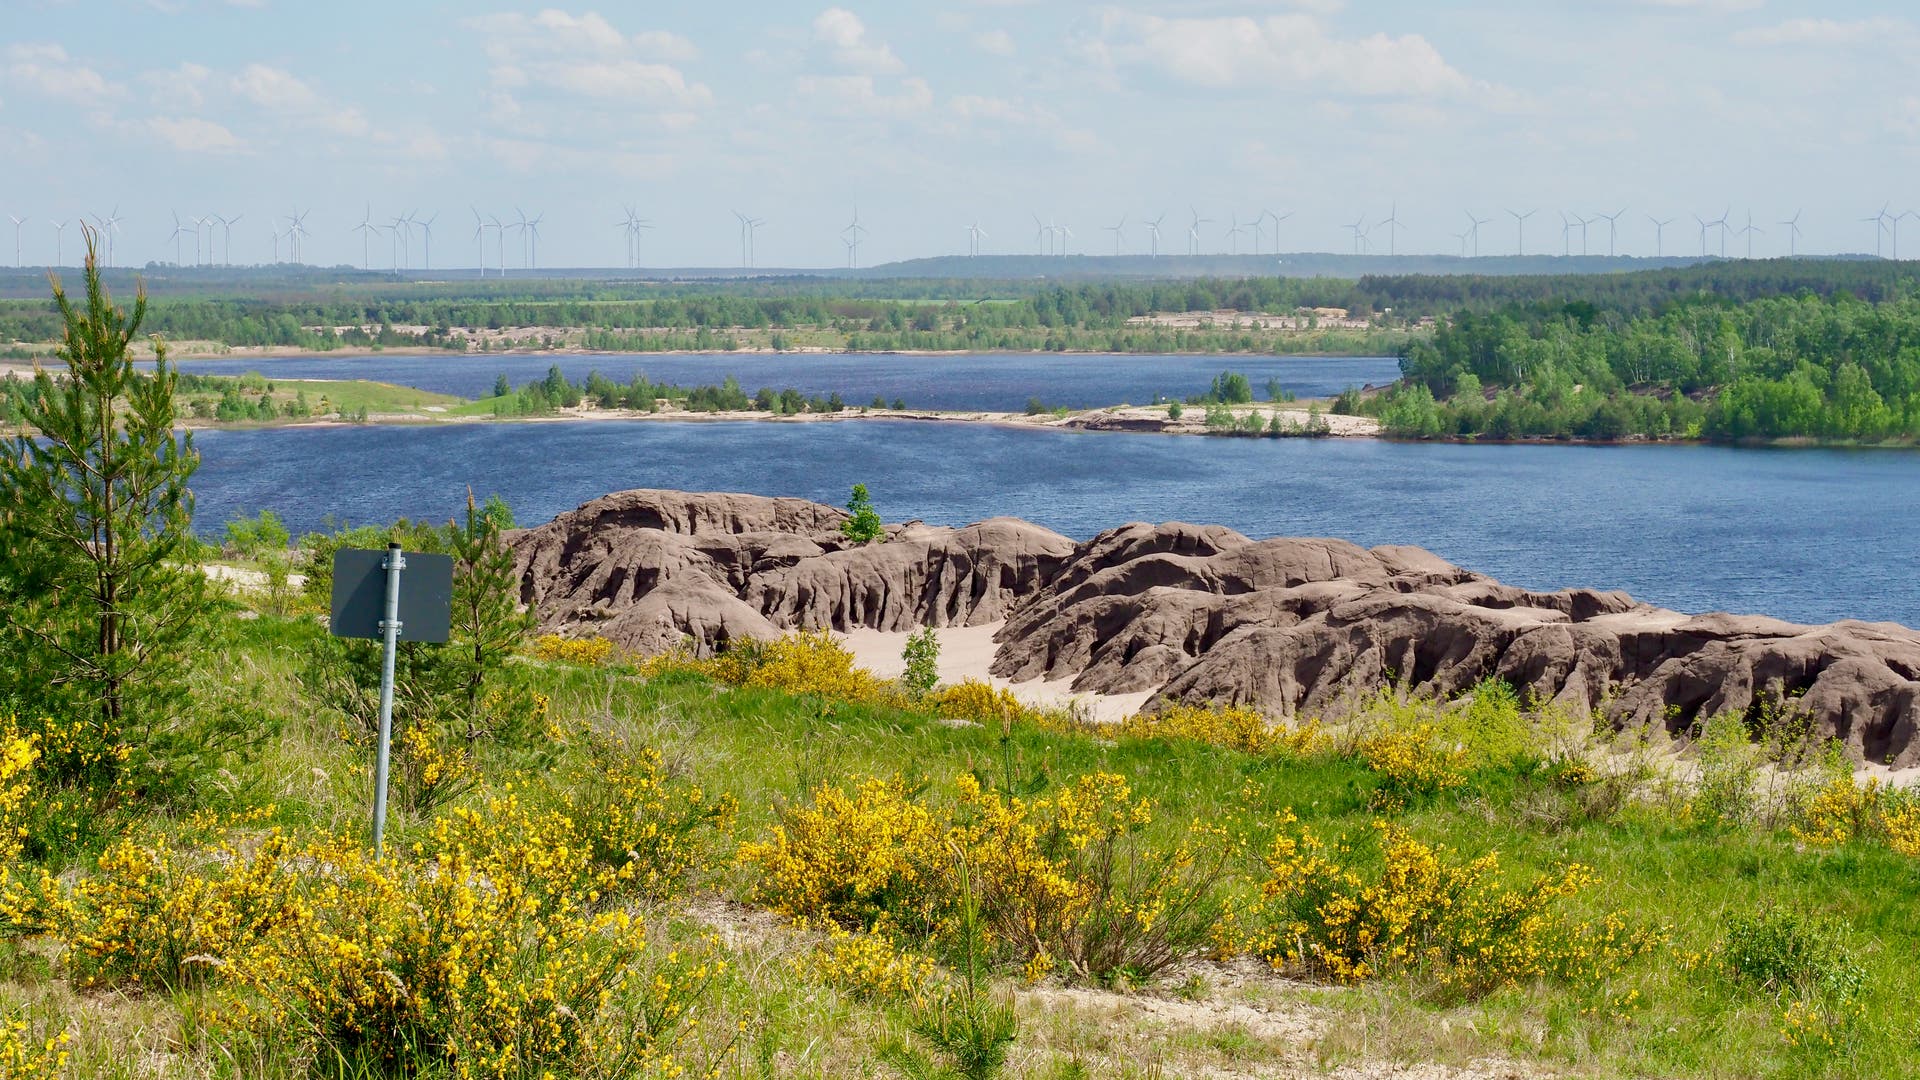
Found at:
[768, 861]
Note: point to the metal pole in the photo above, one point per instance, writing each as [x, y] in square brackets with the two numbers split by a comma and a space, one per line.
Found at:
[390, 631]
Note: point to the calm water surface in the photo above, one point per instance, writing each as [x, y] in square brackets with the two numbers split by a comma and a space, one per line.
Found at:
[997, 381]
[1810, 535]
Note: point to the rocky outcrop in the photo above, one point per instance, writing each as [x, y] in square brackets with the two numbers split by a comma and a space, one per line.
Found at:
[651, 569]
[1201, 613]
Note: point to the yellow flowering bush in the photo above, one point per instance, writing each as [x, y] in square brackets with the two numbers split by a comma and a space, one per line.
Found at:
[1412, 763]
[1841, 811]
[978, 701]
[1423, 908]
[163, 915]
[1074, 879]
[814, 663]
[18, 755]
[859, 858]
[871, 966]
[1235, 727]
[584, 652]
[1067, 880]
[25, 1053]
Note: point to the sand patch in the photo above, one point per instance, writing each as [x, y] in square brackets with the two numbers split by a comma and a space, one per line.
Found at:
[966, 652]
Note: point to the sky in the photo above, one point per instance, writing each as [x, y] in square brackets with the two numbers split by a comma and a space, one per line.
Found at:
[926, 118]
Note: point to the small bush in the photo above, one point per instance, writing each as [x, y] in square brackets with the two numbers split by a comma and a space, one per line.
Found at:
[865, 526]
[1233, 726]
[871, 967]
[1329, 911]
[922, 654]
[978, 701]
[1729, 765]
[27, 1053]
[857, 859]
[583, 652]
[1805, 964]
[1414, 763]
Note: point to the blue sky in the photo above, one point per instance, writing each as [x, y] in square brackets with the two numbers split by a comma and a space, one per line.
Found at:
[929, 117]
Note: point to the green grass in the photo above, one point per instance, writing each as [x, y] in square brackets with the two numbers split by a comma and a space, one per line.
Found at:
[768, 749]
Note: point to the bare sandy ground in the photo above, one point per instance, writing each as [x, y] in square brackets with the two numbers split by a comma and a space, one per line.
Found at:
[966, 652]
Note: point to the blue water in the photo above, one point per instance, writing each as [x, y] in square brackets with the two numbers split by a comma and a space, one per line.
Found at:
[1809, 535]
[996, 381]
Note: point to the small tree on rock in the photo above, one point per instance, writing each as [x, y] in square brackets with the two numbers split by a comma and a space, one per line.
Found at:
[865, 526]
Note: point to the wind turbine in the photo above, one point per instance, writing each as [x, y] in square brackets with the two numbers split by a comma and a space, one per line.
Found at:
[1393, 223]
[59, 235]
[1193, 231]
[1613, 226]
[753, 231]
[1703, 223]
[974, 233]
[1360, 230]
[1722, 226]
[1066, 234]
[226, 235]
[532, 232]
[296, 229]
[426, 232]
[1474, 231]
[1277, 219]
[1153, 233]
[366, 229]
[199, 223]
[745, 259]
[1879, 220]
[1118, 232]
[1462, 237]
[1566, 235]
[1520, 230]
[19, 221]
[1234, 229]
[526, 241]
[1584, 222]
[479, 238]
[1659, 235]
[1748, 231]
[633, 224]
[1042, 237]
[174, 236]
[500, 235]
[852, 233]
[110, 227]
[1793, 234]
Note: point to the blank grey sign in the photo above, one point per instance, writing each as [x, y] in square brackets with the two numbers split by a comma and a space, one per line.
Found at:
[360, 595]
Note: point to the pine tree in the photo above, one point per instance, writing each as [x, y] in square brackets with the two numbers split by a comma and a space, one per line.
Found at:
[100, 587]
[488, 625]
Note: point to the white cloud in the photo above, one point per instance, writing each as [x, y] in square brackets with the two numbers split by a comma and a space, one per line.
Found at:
[997, 42]
[1716, 7]
[859, 95]
[47, 70]
[282, 93]
[190, 134]
[1236, 51]
[587, 56]
[178, 87]
[853, 48]
[1826, 32]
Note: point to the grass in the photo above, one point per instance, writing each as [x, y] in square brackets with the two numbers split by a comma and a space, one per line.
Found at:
[1666, 1014]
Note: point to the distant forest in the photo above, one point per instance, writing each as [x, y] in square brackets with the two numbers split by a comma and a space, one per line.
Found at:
[950, 314]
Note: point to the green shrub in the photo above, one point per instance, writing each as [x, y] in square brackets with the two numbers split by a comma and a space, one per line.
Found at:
[922, 655]
[865, 526]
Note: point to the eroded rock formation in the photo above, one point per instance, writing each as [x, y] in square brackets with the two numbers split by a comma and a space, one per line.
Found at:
[1202, 613]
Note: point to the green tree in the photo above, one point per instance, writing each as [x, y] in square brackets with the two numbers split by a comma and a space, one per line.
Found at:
[101, 593]
[922, 655]
[865, 526]
[501, 387]
[488, 625]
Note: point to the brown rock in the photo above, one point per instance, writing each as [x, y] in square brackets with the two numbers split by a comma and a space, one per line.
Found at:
[1202, 613]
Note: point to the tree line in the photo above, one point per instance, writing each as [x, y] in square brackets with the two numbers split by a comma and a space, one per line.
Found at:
[1834, 367]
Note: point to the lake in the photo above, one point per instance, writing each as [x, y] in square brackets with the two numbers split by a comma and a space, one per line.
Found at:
[1809, 535]
[988, 381]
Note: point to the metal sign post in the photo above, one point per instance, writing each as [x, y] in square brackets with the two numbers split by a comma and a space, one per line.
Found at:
[396, 561]
[368, 603]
